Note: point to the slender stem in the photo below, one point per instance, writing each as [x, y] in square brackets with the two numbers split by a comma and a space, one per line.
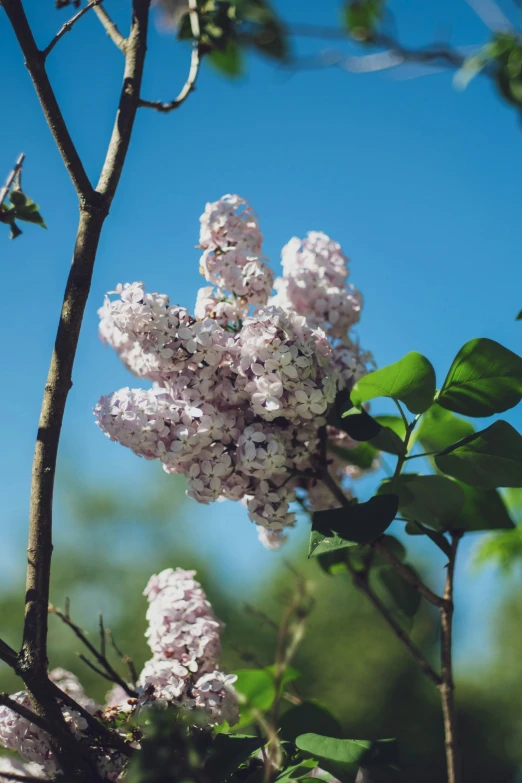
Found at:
[109, 672]
[59, 382]
[68, 26]
[408, 575]
[195, 60]
[8, 655]
[35, 63]
[11, 178]
[24, 712]
[447, 687]
[401, 411]
[360, 580]
[31, 664]
[424, 454]
[110, 28]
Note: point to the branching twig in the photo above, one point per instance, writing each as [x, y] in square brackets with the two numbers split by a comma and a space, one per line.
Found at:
[11, 178]
[409, 576]
[447, 687]
[195, 59]
[24, 712]
[8, 655]
[94, 208]
[110, 28]
[68, 26]
[126, 659]
[107, 669]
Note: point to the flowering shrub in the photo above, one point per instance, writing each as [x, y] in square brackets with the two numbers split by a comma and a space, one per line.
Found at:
[184, 636]
[241, 390]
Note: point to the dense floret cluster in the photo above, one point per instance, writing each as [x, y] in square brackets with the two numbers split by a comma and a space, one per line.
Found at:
[240, 390]
[184, 636]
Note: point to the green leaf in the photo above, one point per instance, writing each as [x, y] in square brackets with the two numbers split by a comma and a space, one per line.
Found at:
[439, 428]
[359, 425]
[229, 61]
[228, 752]
[430, 500]
[362, 456]
[487, 459]
[519, 316]
[298, 771]
[256, 687]
[289, 675]
[364, 753]
[483, 509]
[309, 716]
[321, 544]
[485, 378]
[416, 529]
[410, 380]
[358, 523]
[405, 597]
[391, 437]
[361, 17]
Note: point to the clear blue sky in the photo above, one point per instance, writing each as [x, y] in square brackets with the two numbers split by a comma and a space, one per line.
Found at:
[419, 183]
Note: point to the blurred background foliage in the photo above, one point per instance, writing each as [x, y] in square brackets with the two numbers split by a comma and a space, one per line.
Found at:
[348, 660]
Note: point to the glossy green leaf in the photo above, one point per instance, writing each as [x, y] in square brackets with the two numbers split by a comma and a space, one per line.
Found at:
[405, 598]
[229, 61]
[391, 437]
[228, 752]
[410, 380]
[485, 378]
[358, 523]
[309, 716]
[430, 500]
[362, 456]
[364, 753]
[488, 459]
[361, 17]
[323, 544]
[359, 425]
[255, 688]
[483, 509]
[439, 428]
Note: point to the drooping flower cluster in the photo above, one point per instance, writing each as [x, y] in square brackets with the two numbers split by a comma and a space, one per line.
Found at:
[32, 743]
[184, 636]
[240, 390]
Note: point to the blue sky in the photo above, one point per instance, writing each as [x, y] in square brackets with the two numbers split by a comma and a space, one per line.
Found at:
[418, 182]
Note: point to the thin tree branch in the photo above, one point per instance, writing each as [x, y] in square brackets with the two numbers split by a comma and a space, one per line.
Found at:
[360, 580]
[110, 28]
[11, 178]
[109, 672]
[94, 207]
[109, 737]
[8, 655]
[24, 712]
[447, 686]
[68, 26]
[126, 659]
[35, 63]
[409, 576]
[195, 60]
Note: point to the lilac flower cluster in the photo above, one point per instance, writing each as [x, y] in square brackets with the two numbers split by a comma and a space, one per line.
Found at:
[240, 390]
[32, 743]
[184, 636]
